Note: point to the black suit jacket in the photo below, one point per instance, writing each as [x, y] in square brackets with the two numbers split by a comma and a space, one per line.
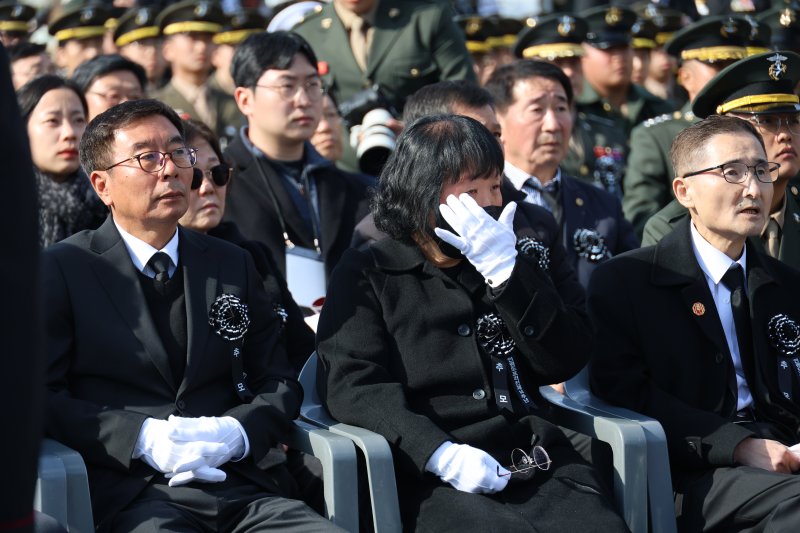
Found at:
[584, 206]
[108, 370]
[660, 349]
[342, 203]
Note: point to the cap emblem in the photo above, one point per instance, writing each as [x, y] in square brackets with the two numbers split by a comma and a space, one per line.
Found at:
[473, 26]
[142, 17]
[777, 68]
[729, 28]
[201, 10]
[87, 15]
[787, 18]
[16, 13]
[565, 26]
[238, 21]
[613, 16]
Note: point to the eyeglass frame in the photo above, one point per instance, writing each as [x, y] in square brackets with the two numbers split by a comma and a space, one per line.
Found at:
[750, 171]
[532, 465]
[210, 174]
[304, 86]
[192, 155]
[754, 118]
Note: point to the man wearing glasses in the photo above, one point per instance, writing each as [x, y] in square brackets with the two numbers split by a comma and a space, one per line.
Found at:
[759, 89]
[174, 424]
[701, 332]
[287, 195]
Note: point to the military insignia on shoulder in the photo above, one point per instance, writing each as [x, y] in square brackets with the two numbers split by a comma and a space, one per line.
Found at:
[326, 23]
[590, 245]
[535, 250]
[650, 122]
[777, 68]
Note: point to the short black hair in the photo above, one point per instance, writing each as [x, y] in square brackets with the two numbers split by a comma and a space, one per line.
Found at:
[99, 66]
[23, 50]
[432, 151]
[29, 95]
[440, 98]
[263, 51]
[98, 137]
[502, 81]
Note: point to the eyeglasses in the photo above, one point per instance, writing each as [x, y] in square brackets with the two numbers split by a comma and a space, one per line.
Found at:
[153, 161]
[287, 91]
[526, 465]
[114, 98]
[772, 122]
[220, 175]
[736, 172]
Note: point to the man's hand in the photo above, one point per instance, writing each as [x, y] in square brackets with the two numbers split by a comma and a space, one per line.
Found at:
[766, 454]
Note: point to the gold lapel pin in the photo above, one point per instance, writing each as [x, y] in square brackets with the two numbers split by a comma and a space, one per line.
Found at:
[579, 202]
[326, 23]
[698, 309]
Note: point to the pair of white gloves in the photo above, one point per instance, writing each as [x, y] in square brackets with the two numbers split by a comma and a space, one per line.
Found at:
[191, 449]
[489, 244]
[467, 469]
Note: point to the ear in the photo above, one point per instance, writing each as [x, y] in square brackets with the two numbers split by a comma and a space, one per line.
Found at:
[60, 59]
[683, 192]
[683, 76]
[100, 183]
[244, 99]
[167, 49]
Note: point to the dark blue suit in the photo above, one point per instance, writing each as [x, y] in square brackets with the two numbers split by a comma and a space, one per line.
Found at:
[585, 207]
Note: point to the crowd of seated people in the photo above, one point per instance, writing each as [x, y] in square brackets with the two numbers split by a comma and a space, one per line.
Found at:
[530, 208]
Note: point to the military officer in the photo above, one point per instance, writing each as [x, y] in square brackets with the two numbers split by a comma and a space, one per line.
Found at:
[138, 38]
[608, 92]
[238, 26]
[703, 49]
[660, 77]
[15, 22]
[760, 89]
[596, 149]
[643, 41]
[79, 32]
[504, 31]
[188, 28]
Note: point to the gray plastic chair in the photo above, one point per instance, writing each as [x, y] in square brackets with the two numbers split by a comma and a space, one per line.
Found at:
[374, 448]
[659, 480]
[62, 489]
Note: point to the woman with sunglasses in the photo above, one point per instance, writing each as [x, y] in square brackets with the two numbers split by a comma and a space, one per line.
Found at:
[206, 207]
[54, 110]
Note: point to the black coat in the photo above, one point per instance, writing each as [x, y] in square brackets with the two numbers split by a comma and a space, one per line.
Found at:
[398, 348]
[108, 370]
[342, 203]
[584, 206]
[658, 352]
[297, 337]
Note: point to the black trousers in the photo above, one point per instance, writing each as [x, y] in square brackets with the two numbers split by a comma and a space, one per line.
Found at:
[234, 505]
[568, 497]
[739, 498]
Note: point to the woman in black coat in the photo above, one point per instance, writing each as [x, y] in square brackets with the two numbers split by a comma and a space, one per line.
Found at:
[439, 339]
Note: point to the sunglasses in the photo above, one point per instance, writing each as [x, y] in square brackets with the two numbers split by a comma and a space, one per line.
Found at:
[220, 175]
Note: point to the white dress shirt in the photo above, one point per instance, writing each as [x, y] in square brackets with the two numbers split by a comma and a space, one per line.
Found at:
[141, 252]
[715, 264]
[518, 178]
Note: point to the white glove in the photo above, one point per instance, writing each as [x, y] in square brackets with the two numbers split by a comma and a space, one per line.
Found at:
[225, 430]
[489, 244]
[155, 447]
[467, 469]
[203, 474]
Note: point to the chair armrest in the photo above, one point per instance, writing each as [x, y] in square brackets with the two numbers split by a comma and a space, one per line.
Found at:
[339, 471]
[62, 487]
[659, 478]
[628, 445]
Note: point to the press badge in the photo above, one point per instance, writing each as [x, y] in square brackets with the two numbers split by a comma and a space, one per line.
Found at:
[305, 275]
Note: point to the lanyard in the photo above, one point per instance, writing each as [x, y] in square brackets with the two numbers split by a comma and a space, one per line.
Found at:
[495, 340]
[785, 366]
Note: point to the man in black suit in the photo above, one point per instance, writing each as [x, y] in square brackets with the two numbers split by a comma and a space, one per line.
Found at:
[700, 332]
[165, 371]
[533, 100]
[284, 193]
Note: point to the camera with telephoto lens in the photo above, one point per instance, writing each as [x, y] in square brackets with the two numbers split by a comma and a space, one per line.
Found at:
[367, 115]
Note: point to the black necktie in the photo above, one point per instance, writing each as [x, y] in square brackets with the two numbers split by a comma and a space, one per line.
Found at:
[740, 306]
[160, 264]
